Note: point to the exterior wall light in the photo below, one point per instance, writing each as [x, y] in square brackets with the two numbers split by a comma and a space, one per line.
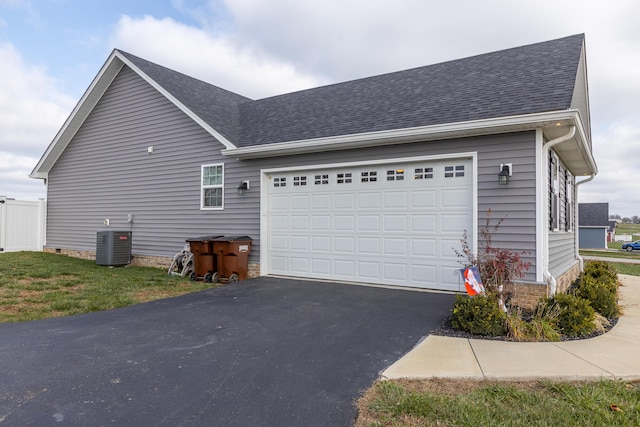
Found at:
[506, 170]
[244, 186]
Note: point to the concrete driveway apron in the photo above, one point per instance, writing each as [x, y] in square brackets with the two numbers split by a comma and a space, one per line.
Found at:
[263, 352]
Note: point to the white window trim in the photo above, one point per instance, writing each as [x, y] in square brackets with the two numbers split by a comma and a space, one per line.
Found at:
[555, 190]
[203, 187]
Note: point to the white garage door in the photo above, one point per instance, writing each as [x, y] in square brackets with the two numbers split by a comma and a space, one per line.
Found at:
[392, 224]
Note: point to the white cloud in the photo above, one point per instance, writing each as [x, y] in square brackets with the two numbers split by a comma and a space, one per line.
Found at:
[618, 177]
[215, 59]
[31, 112]
[259, 48]
[359, 38]
[13, 177]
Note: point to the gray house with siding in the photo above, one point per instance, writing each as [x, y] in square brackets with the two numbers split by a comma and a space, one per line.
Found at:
[372, 180]
[593, 225]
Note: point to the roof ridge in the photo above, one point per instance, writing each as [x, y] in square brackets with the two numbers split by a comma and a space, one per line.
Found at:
[420, 67]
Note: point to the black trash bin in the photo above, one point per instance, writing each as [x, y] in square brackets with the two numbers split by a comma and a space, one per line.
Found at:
[232, 254]
[205, 266]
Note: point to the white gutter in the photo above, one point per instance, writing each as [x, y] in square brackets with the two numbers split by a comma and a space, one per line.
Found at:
[545, 155]
[575, 221]
[398, 136]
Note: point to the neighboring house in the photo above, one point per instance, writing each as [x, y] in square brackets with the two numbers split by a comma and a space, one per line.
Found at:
[372, 180]
[594, 225]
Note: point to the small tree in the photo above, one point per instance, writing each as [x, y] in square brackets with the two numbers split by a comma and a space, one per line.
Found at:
[499, 268]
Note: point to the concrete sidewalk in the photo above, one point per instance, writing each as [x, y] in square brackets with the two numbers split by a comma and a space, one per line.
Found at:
[615, 354]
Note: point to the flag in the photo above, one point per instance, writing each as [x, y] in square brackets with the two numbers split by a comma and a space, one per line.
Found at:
[472, 281]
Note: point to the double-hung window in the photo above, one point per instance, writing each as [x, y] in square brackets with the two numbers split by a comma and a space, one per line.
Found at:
[554, 192]
[212, 190]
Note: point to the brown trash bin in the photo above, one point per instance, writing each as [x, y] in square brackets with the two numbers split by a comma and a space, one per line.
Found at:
[233, 257]
[205, 266]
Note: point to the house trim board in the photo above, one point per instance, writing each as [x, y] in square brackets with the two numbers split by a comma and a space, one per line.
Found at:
[424, 133]
[542, 237]
[264, 185]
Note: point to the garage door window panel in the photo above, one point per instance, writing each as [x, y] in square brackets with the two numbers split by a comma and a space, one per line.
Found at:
[423, 173]
[369, 176]
[454, 171]
[321, 179]
[344, 178]
[395, 175]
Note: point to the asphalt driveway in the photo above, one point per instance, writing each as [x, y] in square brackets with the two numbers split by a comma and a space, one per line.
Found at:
[263, 352]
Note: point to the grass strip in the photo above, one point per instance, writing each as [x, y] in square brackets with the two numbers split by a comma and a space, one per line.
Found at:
[37, 285]
[440, 402]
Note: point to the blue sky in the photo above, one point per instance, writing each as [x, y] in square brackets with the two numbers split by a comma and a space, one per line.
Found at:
[50, 50]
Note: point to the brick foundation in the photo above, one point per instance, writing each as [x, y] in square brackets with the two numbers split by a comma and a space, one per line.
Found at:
[72, 253]
[527, 295]
[140, 260]
[564, 282]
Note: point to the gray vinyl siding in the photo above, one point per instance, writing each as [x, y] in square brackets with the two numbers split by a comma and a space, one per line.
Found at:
[106, 172]
[562, 243]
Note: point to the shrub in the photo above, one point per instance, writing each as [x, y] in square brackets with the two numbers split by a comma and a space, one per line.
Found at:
[576, 317]
[499, 268]
[541, 325]
[602, 296]
[478, 315]
[602, 271]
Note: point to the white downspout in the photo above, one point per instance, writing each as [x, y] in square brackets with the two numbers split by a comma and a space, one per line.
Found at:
[545, 156]
[575, 221]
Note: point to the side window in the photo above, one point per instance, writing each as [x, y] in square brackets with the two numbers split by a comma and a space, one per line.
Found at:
[212, 187]
[554, 192]
[568, 182]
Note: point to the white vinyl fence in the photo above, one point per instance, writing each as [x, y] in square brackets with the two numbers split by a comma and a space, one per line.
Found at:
[22, 225]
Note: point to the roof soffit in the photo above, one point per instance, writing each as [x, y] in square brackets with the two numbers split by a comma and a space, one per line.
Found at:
[575, 152]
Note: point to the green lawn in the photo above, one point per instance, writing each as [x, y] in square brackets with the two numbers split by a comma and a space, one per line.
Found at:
[628, 229]
[37, 285]
[610, 254]
[441, 402]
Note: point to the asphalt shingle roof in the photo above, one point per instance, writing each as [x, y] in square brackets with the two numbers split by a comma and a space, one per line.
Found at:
[217, 107]
[523, 80]
[593, 214]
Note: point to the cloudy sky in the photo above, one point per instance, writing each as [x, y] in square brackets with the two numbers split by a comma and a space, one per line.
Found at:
[50, 50]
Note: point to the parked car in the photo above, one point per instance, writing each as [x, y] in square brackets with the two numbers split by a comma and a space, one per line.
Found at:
[631, 246]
